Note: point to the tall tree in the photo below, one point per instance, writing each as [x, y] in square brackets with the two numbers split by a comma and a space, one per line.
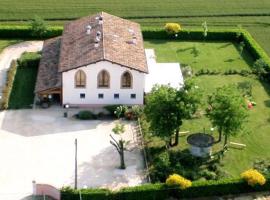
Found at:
[167, 107]
[227, 111]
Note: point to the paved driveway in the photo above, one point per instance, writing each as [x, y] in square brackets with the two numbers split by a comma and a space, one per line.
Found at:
[39, 145]
[14, 52]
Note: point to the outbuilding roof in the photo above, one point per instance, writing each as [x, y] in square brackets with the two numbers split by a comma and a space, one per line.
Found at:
[48, 76]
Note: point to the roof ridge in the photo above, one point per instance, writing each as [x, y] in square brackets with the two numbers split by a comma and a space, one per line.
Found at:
[102, 32]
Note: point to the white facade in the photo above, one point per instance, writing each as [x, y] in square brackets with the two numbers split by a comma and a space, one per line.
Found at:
[72, 95]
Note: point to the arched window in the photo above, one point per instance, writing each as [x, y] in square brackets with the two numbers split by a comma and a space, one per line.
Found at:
[80, 79]
[126, 80]
[103, 79]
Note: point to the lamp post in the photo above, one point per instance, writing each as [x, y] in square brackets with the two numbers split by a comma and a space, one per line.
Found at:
[66, 111]
[76, 165]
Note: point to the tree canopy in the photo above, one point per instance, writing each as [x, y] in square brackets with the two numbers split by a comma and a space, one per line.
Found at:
[166, 107]
[38, 27]
[227, 111]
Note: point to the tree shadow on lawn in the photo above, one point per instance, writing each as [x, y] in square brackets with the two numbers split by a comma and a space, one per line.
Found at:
[225, 45]
[246, 56]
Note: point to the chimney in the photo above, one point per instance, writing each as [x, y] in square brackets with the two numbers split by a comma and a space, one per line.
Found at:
[134, 40]
[88, 29]
[100, 20]
[96, 44]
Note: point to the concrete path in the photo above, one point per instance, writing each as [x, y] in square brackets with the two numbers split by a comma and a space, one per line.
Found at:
[14, 52]
[39, 145]
[161, 73]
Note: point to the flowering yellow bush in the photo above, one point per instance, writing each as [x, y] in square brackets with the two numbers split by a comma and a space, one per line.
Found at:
[172, 28]
[176, 179]
[253, 177]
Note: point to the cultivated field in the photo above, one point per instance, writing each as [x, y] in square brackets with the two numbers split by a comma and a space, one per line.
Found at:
[253, 15]
[62, 9]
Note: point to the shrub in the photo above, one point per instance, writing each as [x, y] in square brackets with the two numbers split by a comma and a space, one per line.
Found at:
[162, 166]
[253, 177]
[120, 111]
[172, 28]
[111, 109]
[262, 165]
[176, 179]
[38, 27]
[137, 111]
[260, 67]
[85, 114]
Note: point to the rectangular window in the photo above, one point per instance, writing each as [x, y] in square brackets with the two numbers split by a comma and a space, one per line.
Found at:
[82, 95]
[133, 96]
[116, 96]
[100, 96]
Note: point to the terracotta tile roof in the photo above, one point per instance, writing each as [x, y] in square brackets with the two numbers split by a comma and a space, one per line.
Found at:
[48, 76]
[120, 42]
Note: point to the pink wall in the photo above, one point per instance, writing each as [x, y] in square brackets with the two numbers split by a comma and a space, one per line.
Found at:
[45, 189]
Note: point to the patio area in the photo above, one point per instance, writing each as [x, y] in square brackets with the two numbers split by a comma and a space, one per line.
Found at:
[39, 145]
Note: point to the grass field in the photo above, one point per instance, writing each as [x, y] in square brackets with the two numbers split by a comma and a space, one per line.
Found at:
[253, 15]
[200, 55]
[257, 139]
[22, 93]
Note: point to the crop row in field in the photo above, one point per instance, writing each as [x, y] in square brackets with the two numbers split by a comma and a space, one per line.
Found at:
[61, 9]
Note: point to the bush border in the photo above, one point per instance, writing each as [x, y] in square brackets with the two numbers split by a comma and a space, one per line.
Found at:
[162, 191]
[11, 73]
[232, 35]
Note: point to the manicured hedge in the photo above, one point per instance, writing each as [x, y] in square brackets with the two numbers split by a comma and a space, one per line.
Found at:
[29, 59]
[24, 32]
[151, 33]
[161, 191]
[254, 48]
[9, 84]
[223, 35]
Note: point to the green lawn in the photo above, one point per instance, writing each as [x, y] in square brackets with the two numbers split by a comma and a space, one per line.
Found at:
[22, 93]
[201, 55]
[258, 137]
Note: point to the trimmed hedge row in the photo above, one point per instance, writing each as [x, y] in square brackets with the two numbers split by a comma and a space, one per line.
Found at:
[161, 191]
[212, 35]
[223, 35]
[9, 84]
[24, 32]
[254, 48]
